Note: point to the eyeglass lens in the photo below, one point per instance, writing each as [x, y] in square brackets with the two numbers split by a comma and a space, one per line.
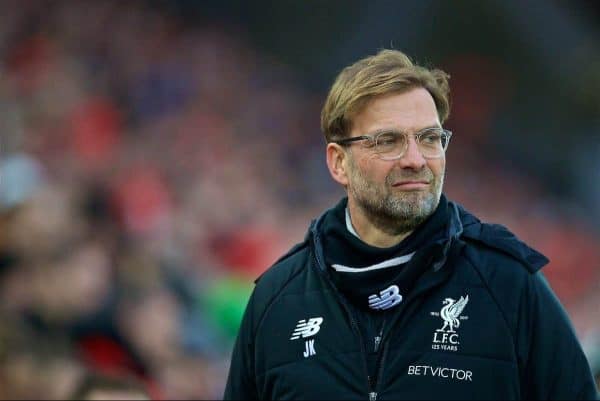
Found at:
[431, 143]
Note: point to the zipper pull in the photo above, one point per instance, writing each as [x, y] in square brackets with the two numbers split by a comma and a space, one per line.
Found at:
[378, 338]
[372, 396]
[377, 342]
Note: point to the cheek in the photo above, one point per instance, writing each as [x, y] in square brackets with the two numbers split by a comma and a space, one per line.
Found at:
[374, 169]
[437, 166]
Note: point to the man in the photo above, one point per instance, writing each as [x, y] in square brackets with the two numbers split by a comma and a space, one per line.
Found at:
[396, 292]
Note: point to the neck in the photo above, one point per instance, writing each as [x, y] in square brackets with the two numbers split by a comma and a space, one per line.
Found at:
[370, 233]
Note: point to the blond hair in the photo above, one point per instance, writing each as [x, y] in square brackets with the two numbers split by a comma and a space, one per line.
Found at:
[389, 71]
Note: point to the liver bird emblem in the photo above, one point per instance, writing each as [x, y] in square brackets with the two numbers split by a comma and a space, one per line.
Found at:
[451, 312]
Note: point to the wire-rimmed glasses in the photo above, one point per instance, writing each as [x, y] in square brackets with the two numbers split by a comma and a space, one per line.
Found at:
[391, 145]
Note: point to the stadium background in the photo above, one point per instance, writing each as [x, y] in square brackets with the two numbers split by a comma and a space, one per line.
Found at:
[156, 156]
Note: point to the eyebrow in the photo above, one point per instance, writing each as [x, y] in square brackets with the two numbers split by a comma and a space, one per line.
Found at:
[379, 131]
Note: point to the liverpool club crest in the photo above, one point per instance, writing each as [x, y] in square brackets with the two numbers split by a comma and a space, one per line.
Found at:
[446, 338]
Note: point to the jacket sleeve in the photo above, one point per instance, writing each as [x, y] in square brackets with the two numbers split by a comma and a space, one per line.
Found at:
[241, 384]
[552, 362]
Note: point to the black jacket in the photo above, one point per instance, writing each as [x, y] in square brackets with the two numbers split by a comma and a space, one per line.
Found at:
[480, 323]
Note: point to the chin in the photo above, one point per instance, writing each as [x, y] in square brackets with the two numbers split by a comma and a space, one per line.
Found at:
[416, 196]
[418, 202]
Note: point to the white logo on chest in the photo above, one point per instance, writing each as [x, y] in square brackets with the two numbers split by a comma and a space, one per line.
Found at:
[440, 371]
[387, 298]
[446, 338]
[307, 329]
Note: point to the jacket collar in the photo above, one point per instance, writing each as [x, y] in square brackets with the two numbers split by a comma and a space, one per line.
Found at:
[462, 225]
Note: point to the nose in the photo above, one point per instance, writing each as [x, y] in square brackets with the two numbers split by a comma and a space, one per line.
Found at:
[412, 158]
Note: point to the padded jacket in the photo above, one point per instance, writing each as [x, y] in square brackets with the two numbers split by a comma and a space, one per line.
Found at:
[480, 323]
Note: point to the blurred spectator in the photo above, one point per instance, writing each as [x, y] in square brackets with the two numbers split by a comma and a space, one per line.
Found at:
[96, 386]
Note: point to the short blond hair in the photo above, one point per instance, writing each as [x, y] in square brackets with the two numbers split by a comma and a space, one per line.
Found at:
[388, 71]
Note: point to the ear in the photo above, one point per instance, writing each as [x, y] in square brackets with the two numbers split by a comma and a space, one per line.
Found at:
[337, 163]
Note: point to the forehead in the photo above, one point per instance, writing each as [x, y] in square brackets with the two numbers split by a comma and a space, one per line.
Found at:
[407, 111]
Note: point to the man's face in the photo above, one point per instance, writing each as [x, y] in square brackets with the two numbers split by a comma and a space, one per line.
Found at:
[395, 195]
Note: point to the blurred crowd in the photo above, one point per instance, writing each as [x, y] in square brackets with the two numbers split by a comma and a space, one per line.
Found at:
[150, 170]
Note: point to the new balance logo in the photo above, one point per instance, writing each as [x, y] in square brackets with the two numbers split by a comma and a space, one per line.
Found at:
[387, 298]
[307, 329]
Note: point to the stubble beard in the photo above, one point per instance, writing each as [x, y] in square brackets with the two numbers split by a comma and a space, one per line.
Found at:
[396, 212]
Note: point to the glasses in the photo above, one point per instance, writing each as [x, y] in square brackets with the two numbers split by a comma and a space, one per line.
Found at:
[392, 145]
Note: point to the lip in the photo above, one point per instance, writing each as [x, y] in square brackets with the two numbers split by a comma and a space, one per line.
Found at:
[411, 185]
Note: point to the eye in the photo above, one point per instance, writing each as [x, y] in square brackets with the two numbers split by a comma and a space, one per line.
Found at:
[387, 139]
[368, 143]
[430, 138]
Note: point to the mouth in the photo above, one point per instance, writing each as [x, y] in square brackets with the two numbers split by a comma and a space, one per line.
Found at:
[411, 185]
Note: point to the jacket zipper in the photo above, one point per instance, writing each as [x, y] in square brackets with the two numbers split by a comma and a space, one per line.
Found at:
[354, 324]
[372, 394]
[377, 342]
[378, 365]
[381, 341]
[378, 339]
[378, 370]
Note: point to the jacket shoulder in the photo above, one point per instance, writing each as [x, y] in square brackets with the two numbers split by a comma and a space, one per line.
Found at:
[286, 260]
[272, 283]
[495, 267]
[494, 243]
[285, 267]
[505, 265]
[503, 262]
